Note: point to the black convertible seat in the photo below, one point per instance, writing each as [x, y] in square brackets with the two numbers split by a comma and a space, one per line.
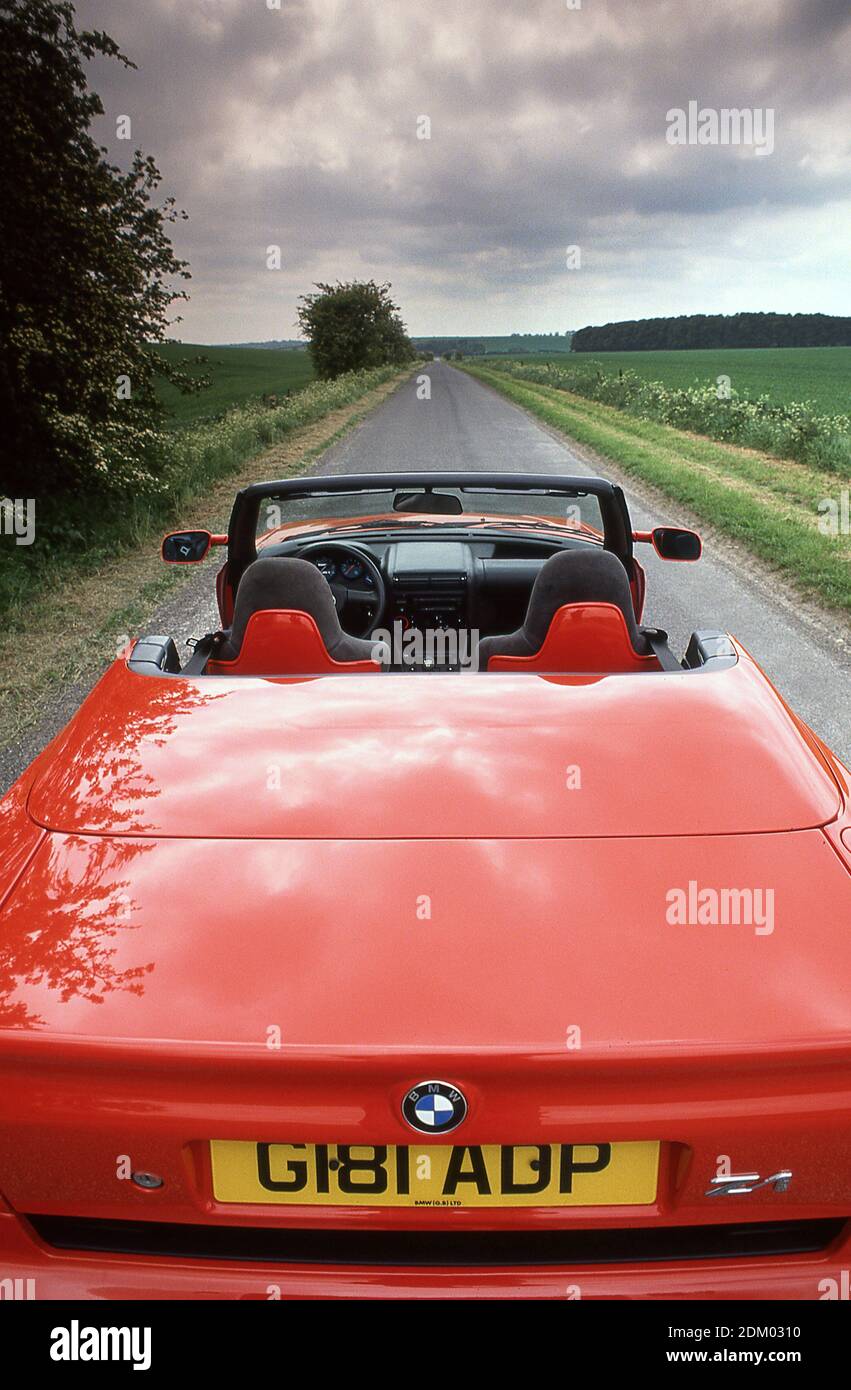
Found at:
[571, 576]
[279, 583]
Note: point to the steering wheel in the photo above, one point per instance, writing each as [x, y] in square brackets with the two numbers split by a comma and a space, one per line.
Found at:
[360, 607]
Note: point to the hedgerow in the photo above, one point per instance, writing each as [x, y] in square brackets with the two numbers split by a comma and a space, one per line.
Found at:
[795, 431]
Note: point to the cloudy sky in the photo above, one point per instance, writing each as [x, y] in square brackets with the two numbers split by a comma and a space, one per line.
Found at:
[301, 126]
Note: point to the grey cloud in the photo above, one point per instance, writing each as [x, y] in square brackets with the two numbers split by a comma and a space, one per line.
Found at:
[548, 128]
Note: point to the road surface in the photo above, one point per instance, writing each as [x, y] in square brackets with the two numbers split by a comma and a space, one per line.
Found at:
[465, 425]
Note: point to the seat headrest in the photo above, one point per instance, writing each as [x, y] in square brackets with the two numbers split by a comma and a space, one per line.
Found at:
[579, 576]
[278, 582]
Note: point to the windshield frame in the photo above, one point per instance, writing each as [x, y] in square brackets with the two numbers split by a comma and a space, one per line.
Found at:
[617, 527]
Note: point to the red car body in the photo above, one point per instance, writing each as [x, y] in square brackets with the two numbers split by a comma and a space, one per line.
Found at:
[193, 864]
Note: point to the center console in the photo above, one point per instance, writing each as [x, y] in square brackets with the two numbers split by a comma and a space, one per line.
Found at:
[429, 584]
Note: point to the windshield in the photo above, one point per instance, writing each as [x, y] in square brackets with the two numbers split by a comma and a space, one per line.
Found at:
[439, 506]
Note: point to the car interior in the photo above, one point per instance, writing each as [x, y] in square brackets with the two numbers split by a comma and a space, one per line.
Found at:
[438, 583]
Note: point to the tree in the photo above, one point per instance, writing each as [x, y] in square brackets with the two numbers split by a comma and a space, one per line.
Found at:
[86, 271]
[353, 325]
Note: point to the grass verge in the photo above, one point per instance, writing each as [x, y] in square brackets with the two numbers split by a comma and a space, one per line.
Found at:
[75, 536]
[797, 431]
[769, 504]
[80, 610]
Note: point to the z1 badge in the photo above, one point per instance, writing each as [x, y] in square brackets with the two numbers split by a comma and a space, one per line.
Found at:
[434, 1107]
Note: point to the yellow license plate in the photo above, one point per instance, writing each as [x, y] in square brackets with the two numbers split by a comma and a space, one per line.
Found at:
[446, 1175]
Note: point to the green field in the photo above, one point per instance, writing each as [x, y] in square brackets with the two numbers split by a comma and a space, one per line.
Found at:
[786, 375]
[766, 503]
[535, 343]
[239, 375]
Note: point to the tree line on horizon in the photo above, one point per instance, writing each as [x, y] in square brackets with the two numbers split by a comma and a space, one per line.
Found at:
[745, 330]
[494, 344]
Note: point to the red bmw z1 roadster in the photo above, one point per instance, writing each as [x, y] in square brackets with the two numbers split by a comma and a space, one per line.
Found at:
[435, 930]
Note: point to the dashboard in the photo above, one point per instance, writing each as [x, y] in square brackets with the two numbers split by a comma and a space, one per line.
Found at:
[347, 566]
[442, 581]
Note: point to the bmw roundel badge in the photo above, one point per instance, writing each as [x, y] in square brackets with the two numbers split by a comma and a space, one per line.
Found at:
[434, 1107]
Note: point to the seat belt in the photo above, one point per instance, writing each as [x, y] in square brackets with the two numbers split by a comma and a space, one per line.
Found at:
[201, 653]
[658, 640]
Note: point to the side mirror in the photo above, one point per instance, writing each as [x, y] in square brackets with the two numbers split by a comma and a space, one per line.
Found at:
[676, 543]
[186, 547]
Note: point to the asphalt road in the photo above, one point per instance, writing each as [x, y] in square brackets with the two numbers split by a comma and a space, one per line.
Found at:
[465, 425]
